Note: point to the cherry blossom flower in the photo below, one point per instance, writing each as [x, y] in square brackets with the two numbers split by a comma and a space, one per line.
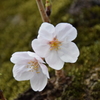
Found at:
[55, 44]
[29, 66]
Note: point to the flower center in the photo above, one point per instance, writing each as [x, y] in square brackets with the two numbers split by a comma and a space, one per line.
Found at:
[33, 65]
[54, 44]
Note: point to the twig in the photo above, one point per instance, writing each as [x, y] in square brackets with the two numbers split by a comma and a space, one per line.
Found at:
[2, 96]
[59, 73]
[44, 16]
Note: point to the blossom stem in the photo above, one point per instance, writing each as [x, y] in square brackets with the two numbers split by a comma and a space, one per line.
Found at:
[42, 11]
[60, 77]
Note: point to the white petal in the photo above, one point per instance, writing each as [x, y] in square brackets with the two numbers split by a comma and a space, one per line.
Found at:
[54, 61]
[39, 48]
[69, 52]
[20, 72]
[46, 30]
[34, 55]
[38, 82]
[20, 57]
[42, 40]
[65, 32]
[44, 69]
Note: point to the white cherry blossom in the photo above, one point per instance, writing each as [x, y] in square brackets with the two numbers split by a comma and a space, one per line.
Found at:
[55, 44]
[29, 66]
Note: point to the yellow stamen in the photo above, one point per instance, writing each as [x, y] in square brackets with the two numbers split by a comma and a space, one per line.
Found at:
[33, 65]
[54, 44]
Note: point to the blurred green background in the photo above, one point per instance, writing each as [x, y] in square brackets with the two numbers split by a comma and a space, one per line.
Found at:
[19, 24]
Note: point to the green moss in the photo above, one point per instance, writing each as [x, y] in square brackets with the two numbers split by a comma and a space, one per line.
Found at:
[17, 31]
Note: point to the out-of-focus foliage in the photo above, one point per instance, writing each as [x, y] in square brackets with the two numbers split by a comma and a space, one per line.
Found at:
[19, 23]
